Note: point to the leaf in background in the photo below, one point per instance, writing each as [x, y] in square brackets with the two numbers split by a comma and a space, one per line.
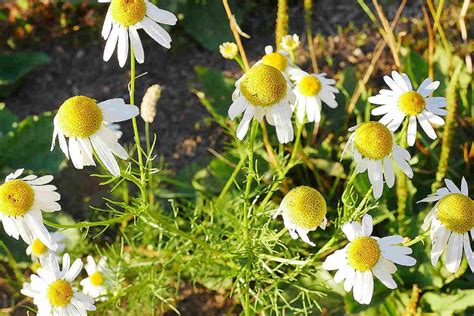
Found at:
[217, 88]
[15, 67]
[449, 304]
[28, 145]
[7, 119]
[207, 23]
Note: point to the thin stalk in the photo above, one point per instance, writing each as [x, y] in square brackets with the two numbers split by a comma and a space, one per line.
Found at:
[134, 121]
[235, 30]
[308, 12]
[232, 178]
[299, 130]
[151, 195]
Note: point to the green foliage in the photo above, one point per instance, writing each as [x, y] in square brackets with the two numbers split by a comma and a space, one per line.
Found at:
[15, 67]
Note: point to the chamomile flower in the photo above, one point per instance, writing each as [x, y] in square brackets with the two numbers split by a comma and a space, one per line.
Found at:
[22, 202]
[37, 249]
[303, 210]
[123, 20]
[373, 148]
[451, 220]
[402, 101]
[263, 91]
[228, 50]
[52, 288]
[96, 285]
[280, 60]
[367, 256]
[85, 123]
[290, 42]
[310, 90]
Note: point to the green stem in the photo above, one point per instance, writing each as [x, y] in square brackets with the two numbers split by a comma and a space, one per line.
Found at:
[108, 222]
[232, 178]
[417, 239]
[247, 212]
[297, 142]
[151, 195]
[134, 121]
[238, 59]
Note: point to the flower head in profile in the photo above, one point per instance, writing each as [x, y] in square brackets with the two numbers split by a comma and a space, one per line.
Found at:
[290, 42]
[310, 90]
[37, 249]
[303, 210]
[228, 50]
[53, 291]
[123, 20]
[22, 201]
[261, 92]
[402, 101]
[99, 280]
[279, 59]
[85, 123]
[451, 220]
[373, 148]
[366, 256]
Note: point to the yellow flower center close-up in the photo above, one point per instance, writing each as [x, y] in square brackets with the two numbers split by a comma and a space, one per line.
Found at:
[363, 253]
[80, 116]
[411, 103]
[276, 60]
[60, 293]
[38, 248]
[305, 207]
[97, 279]
[16, 198]
[263, 85]
[456, 212]
[373, 140]
[128, 12]
[309, 86]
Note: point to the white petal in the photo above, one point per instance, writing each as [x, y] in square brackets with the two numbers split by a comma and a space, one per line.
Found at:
[244, 124]
[237, 107]
[451, 186]
[115, 110]
[468, 251]
[159, 15]
[426, 126]
[367, 225]
[111, 42]
[136, 45]
[389, 175]
[411, 132]
[107, 27]
[454, 252]
[74, 271]
[122, 49]
[464, 189]
[75, 153]
[105, 155]
[156, 32]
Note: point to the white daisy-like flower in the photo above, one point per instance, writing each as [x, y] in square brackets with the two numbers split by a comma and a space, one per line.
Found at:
[86, 123]
[303, 210]
[123, 20]
[263, 91]
[310, 90]
[402, 101]
[228, 50]
[373, 148]
[451, 220]
[280, 60]
[290, 42]
[100, 278]
[52, 288]
[366, 256]
[37, 249]
[22, 202]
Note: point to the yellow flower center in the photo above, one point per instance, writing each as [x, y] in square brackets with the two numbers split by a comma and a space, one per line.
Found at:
[373, 140]
[411, 103]
[276, 60]
[305, 207]
[16, 198]
[97, 279]
[456, 212]
[309, 86]
[128, 12]
[80, 116]
[60, 293]
[263, 85]
[363, 253]
[38, 248]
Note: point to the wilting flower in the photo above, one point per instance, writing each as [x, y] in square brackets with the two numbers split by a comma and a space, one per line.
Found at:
[290, 42]
[123, 20]
[310, 90]
[402, 101]
[149, 102]
[21, 203]
[373, 148]
[451, 220]
[303, 210]
[279, 59]
[264, 92]
[85, 123]
[367, 256]
[52, 289]
[228, 50]
[37, 249]
[99, 278]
